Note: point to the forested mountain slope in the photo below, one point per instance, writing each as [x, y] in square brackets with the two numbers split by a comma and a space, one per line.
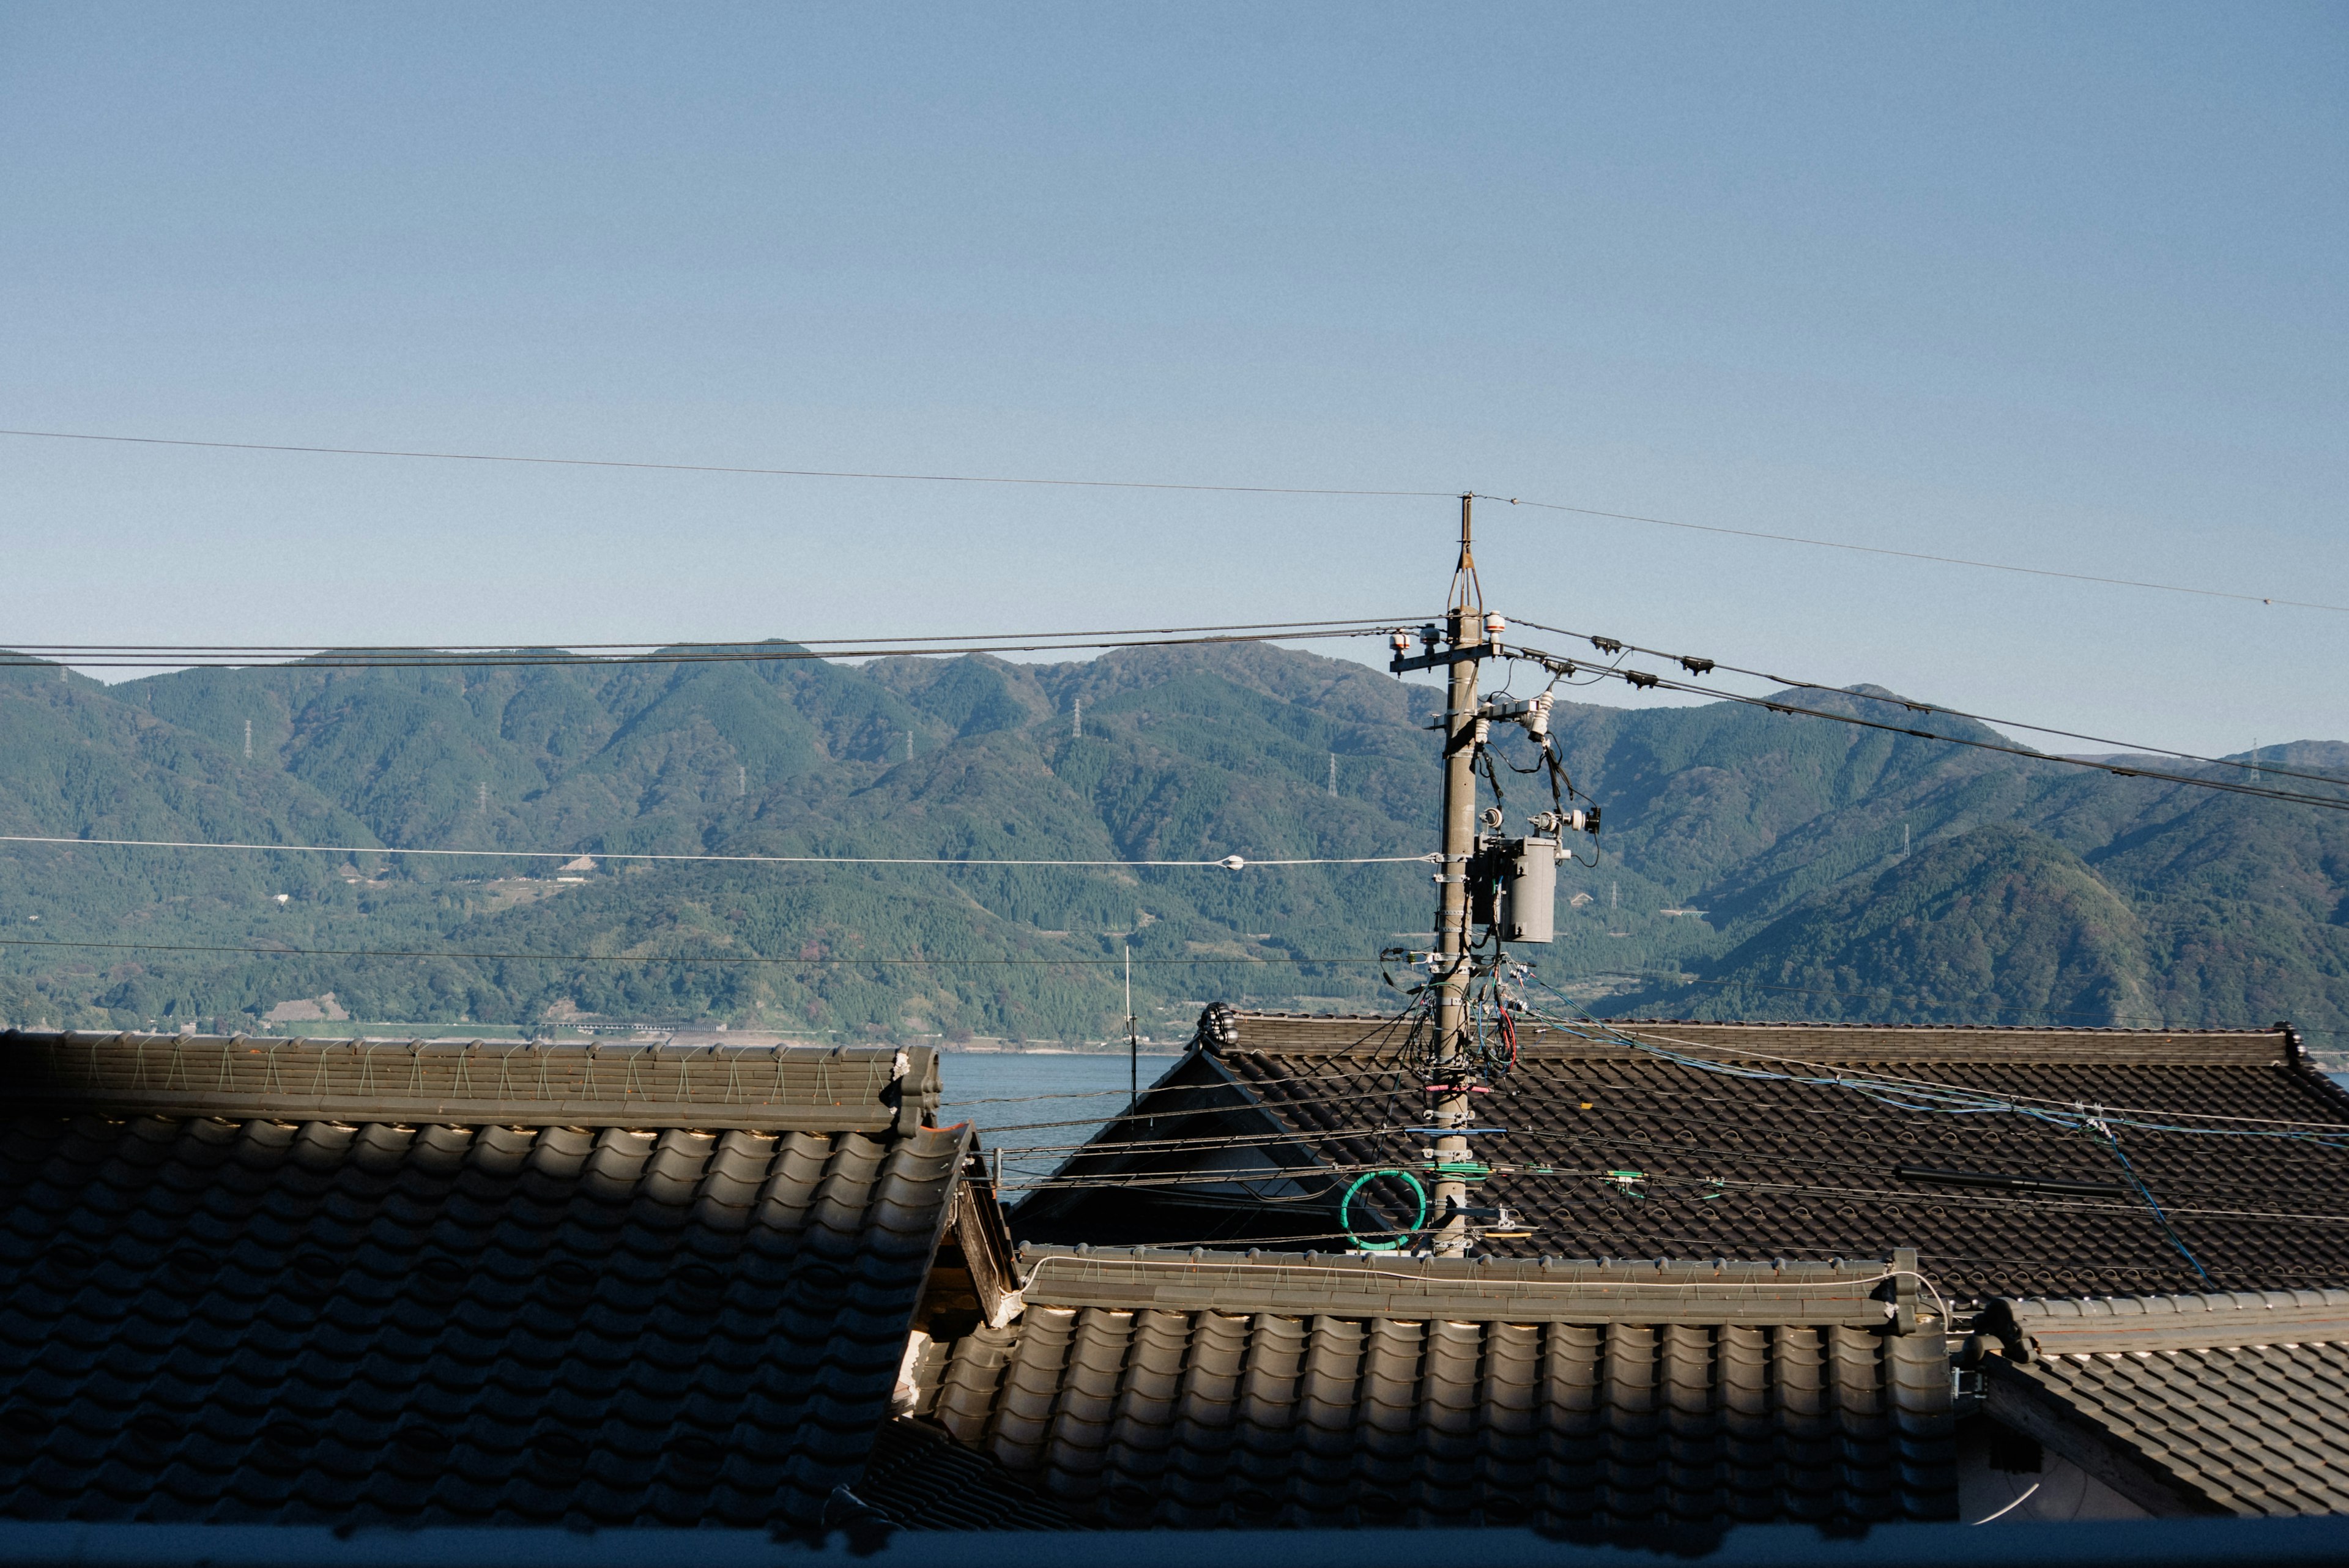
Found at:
[2029, 892]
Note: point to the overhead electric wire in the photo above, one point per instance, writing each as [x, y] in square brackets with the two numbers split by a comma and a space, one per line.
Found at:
[1331, 1172]
[1910, 555]
[2151, 1024]
[1658, 1144]
[755, 653]
[728, 468]
[1700, 667]
[1972, 1099]
[1062, 483]
[1628, 1035]
[1703, 1185]
[1643, 680]
[1655, 1144]
[1229, 863]
[687, 958]
[1266, 625]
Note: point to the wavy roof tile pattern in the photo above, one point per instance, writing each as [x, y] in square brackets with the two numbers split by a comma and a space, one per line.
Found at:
[2230, 1403]
[1138, 1415]
[1607, 1151]
[237, 1314]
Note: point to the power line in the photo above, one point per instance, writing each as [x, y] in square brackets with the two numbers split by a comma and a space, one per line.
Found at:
[1332, 1171]
[1644, 681]
[1968, 1099]
[1702, 667]
[677, 642]
[2328, 1135]
[1057, 483]
[666, 958]
[1910, 555]
[752, 653]
[1228, 863]
[2105, 1018]
[724, 468]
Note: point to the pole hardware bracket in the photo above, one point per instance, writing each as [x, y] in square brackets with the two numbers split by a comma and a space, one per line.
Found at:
[1468, 655]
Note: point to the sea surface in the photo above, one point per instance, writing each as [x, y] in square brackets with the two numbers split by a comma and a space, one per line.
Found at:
[1035, 1105]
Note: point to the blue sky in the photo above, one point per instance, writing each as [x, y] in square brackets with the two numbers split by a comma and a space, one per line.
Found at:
[2060, 286]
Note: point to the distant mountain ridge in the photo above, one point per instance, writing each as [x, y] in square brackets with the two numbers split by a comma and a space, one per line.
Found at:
[2031, 891]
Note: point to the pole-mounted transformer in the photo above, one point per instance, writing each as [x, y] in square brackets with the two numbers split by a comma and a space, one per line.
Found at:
[1513, 882]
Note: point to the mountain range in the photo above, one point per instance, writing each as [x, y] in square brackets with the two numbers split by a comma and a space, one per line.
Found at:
[1753, 864]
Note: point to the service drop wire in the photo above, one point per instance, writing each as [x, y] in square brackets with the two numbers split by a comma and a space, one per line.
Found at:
[1959, 1103]
[2154, 1204]
[1701, 668]
[1910, 1095]
[1643, 680]
[1913, 1096]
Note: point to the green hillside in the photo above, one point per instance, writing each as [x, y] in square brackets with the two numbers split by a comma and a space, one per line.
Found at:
[1753, 864]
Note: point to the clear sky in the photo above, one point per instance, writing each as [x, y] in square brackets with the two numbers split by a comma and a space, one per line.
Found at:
[2058, 285]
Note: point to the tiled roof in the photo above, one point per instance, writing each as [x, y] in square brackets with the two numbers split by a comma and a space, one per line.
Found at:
[922, 1479]
[536, 1084]
[1257, 1141]
[1573, 1410]
[548, 1300]
[2233, 1403]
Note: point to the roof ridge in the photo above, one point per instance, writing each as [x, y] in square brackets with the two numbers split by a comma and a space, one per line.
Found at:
[1787, 1023]
[812, 1089]
[2062, 1326]
[1855, 1291]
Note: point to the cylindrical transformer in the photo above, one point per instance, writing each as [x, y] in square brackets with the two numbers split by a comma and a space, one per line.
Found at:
[1527, 908]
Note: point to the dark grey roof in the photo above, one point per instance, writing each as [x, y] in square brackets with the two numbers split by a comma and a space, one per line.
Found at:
[2234, 1403]
[1142, 1410]
[923, 1480]
[577, 1304]
[854, 1088]
[1257, 1141]
[1848, 1043]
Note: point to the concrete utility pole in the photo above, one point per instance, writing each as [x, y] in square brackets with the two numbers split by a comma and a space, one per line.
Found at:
[1466, 630]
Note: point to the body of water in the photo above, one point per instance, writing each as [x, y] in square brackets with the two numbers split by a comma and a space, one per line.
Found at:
[1036, 1106]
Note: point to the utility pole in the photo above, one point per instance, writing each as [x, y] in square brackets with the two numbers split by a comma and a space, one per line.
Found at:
[1464, 630]
[1133, 1038]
